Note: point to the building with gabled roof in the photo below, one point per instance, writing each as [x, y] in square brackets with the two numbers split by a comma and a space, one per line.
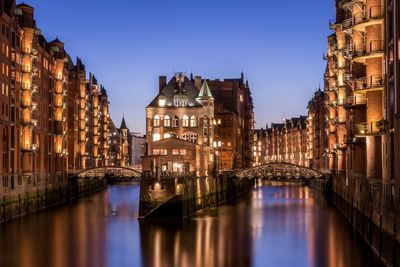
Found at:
[179, 128]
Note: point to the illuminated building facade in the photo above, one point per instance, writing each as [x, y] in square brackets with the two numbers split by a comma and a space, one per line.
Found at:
[234, 122]
[287, 142]
[362, 103]
[355, 90]
[180, 129]
[259, 147]
[53, 121]
[316, 137]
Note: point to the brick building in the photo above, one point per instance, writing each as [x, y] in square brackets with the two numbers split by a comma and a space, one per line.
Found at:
[259, 147]
[287, 142]
[180, 129]
[52, 119]
[362, 104]
[316, 134]
[234, 117]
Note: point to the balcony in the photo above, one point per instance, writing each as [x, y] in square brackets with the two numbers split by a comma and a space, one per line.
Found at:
[369, 128]
[374, 15]
[26, 69]
[347, 23]
[349, 3]
[372, 83]
[25, 86]
[364, 51]
[355, 101]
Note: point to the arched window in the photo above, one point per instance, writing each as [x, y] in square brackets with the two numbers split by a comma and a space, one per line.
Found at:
[185, 121]
[190, 137]
[193, 121]
[175, 121]
[156, 121]
[167, 121]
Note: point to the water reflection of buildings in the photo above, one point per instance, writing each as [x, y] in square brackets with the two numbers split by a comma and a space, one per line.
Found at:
[218, 238]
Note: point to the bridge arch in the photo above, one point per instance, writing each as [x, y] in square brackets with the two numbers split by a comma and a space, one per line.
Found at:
[102, 172]
[280, 170]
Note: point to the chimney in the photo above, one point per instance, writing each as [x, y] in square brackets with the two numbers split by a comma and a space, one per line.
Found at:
[162, 83]
[197, 82]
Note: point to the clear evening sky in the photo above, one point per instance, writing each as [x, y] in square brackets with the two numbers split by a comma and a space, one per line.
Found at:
[127, 44]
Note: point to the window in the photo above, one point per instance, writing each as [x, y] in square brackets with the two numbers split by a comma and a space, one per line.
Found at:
[177, 167]
[193, 121]
[175, 152]
[205, 126]
[175, 121]
[159, 152]
[190, 137]
[185, 121]
[156, 137]
[182, 152]
[167, 135]
[156, 121]
[167, 121]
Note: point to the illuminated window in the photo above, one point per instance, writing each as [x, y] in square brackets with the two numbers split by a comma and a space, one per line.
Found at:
[185, 121]
[156, 137]
[163, 152]
[182, 151]
[156, 121]
[193, 121]
[156, 151]
[177, 167]
[162, 101]
[175, 152]
[167, 121]
[219, 122]
[167, 135]
[190, 137]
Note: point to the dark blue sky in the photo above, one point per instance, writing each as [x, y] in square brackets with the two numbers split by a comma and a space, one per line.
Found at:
[129, 43]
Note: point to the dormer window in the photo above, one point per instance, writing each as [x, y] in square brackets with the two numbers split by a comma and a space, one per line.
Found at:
[162, 101]
[180, 100]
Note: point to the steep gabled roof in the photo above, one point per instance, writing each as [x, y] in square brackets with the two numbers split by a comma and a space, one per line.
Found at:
[24, 5]
[205, 92]
[186, 88]
[123, 124]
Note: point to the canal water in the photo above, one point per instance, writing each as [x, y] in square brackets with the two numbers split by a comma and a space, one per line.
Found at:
[272, 226]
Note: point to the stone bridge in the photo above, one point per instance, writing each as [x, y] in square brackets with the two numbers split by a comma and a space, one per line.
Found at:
[281, 171]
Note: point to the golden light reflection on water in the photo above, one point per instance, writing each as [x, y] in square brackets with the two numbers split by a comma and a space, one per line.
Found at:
[274, 226]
